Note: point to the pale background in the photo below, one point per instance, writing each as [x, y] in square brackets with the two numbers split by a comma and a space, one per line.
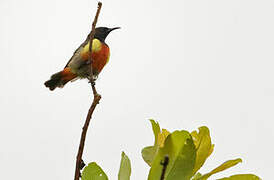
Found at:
[184, 63]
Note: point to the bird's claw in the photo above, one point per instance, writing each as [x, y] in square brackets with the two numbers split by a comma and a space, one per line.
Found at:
[92, 82]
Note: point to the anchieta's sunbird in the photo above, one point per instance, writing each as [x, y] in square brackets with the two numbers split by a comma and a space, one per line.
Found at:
[79, 66]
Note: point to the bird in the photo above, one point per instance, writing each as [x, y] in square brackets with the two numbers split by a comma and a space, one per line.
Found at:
[78, 67]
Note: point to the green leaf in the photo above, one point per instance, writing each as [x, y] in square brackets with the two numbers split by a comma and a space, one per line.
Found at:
[93, 172]
[203, 146]
[162, 137]
[156, 130]
[222, 167]
[148, 154]
[180, 149]
[196, 176]
[242, 177]
[125, 168]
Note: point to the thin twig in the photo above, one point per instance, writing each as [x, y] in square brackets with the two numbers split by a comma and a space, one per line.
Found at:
[165, 163]
[91, 36]
[96, 100]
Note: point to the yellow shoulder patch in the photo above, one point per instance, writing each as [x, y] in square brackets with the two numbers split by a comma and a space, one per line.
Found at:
[96, 46]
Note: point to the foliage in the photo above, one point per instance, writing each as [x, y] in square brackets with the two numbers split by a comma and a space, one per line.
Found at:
[93, 172]
[193, 148]
[181, 156]
[125, 168]
[186, 152]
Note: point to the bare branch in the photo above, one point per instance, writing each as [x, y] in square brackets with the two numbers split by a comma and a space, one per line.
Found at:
[96, 99]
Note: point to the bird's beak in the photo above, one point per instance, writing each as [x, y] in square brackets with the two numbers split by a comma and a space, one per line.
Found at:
[111, 29]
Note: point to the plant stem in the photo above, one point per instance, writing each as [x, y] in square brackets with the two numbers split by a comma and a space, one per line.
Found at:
[165, 163]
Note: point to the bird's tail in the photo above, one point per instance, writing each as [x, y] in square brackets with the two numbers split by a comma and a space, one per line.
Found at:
[60, 79]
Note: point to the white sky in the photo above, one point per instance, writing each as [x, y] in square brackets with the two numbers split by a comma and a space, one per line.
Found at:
[184, 63]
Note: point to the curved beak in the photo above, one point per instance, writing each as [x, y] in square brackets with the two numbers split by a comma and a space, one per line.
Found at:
[111, 29]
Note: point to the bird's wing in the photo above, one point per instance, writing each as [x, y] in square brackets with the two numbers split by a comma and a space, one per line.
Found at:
[77, 50]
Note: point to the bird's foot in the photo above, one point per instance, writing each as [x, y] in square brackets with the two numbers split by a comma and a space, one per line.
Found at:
[92, 81]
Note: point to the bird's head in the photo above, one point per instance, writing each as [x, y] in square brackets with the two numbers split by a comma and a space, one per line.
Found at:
[102, 32]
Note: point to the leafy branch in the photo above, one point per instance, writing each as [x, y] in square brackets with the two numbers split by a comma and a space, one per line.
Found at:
[187, 153]
[175, 155]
